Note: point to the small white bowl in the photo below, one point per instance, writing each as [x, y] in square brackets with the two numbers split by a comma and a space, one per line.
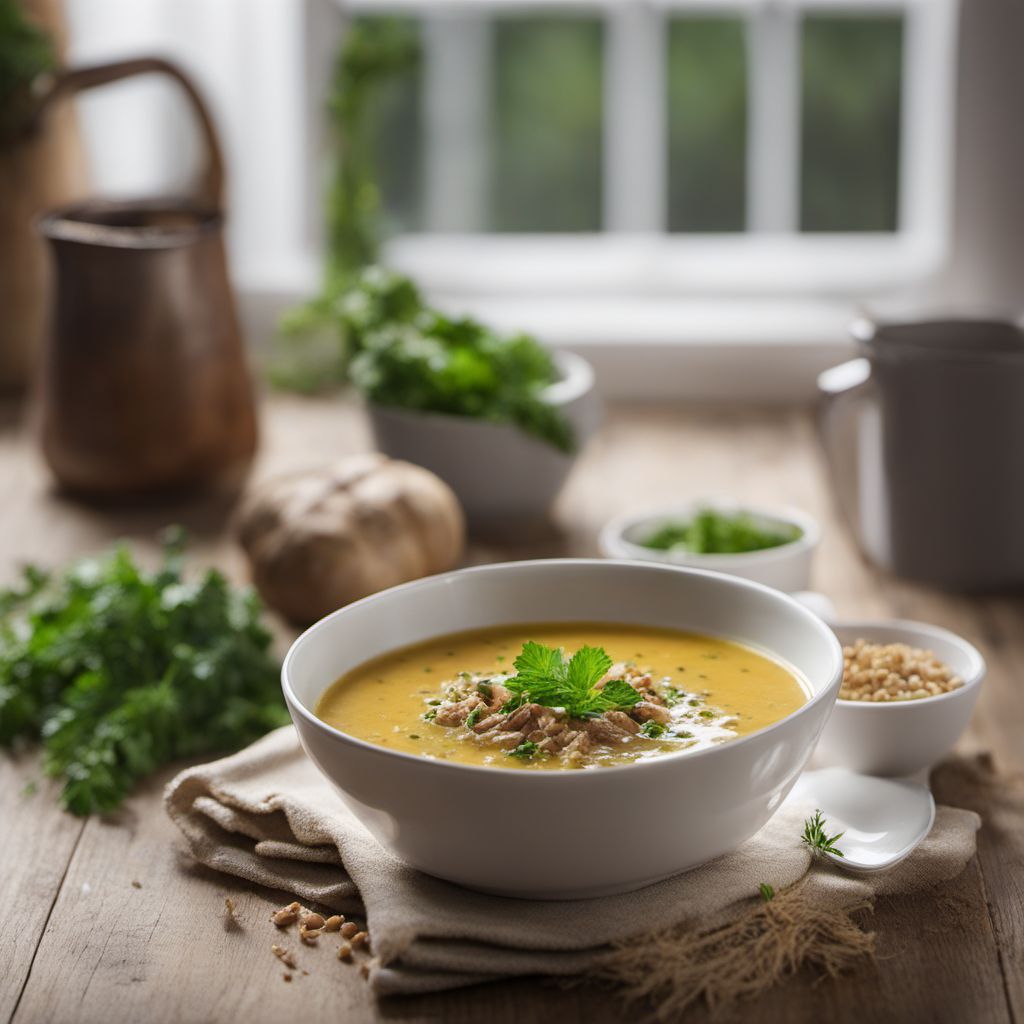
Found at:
[786, 567]
[503, 477]
[564, 834]
[898, 738]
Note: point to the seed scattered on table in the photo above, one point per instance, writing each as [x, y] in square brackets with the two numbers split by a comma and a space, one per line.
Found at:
[348, 929]
[286, 915]
[345, 951]
[287, 976]
[333, 923]
[308, 935]
[136, 884]
[360, 939]
[313, 920]
[893, 672]
[284, 956]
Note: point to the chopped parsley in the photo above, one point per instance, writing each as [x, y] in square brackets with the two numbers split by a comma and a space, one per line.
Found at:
[719, 533]
[524, 751]
[653, 729]
[473, 717]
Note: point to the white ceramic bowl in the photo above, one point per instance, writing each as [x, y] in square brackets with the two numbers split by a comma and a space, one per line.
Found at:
[564, 834]
[502, 476]
[902, 737]
[786, 567]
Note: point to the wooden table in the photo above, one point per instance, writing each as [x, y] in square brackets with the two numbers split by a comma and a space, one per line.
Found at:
[81, 942]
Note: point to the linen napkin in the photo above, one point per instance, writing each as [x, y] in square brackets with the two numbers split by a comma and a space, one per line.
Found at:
[267, 815]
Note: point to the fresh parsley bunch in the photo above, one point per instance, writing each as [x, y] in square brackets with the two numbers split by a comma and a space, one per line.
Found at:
[119, 670]
[543, 676]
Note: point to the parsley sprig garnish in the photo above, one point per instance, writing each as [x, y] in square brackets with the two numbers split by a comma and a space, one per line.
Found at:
[816, 838]
[543, 676]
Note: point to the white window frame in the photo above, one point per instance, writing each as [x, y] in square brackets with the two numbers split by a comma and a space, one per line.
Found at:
[745, 315]
[633, 258]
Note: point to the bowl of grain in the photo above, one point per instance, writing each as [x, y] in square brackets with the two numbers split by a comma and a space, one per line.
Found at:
[907, 695]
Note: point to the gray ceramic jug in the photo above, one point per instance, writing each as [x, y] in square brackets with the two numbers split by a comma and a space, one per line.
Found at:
[924, 435]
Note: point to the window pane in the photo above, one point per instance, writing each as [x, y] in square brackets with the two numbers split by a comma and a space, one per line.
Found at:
[395, 126]
[546, 142]
[707, 111]
[851, 123]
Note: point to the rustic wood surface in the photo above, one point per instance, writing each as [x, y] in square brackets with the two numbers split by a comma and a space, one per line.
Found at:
[106, 920]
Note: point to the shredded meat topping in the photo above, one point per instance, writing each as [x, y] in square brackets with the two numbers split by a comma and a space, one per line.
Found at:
[478, 705]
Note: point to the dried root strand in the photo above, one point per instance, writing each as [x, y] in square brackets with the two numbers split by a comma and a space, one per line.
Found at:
[675, 968]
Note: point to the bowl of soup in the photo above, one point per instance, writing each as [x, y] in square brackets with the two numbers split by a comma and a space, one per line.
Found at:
[564, 728]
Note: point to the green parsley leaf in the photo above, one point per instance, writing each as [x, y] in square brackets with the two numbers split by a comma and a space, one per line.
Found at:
[586, 668]
[473, 717]
[543, 676]
[617, 695]
[540, 662]
[653, 729]
[767, 892]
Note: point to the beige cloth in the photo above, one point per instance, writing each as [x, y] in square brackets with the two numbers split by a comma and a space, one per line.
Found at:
[267, 815]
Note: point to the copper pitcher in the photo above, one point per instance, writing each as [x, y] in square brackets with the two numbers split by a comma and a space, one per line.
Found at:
[144, 383]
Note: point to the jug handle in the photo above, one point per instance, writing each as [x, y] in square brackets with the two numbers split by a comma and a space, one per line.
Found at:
[66, 83]
[843, 390]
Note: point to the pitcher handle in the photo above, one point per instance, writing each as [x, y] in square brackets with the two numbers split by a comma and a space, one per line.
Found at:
[66, 83]
[843, 390]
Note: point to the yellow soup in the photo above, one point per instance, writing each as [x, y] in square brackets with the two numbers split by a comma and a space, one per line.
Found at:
[447, 698]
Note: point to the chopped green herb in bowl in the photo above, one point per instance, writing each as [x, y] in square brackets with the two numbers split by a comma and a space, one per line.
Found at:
[768, 545]
[710, 532]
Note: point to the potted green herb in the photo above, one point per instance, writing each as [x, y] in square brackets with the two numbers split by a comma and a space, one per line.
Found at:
[498, 417]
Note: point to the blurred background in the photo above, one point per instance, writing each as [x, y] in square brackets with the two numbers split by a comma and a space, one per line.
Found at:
[658, 185]
[669, 187]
